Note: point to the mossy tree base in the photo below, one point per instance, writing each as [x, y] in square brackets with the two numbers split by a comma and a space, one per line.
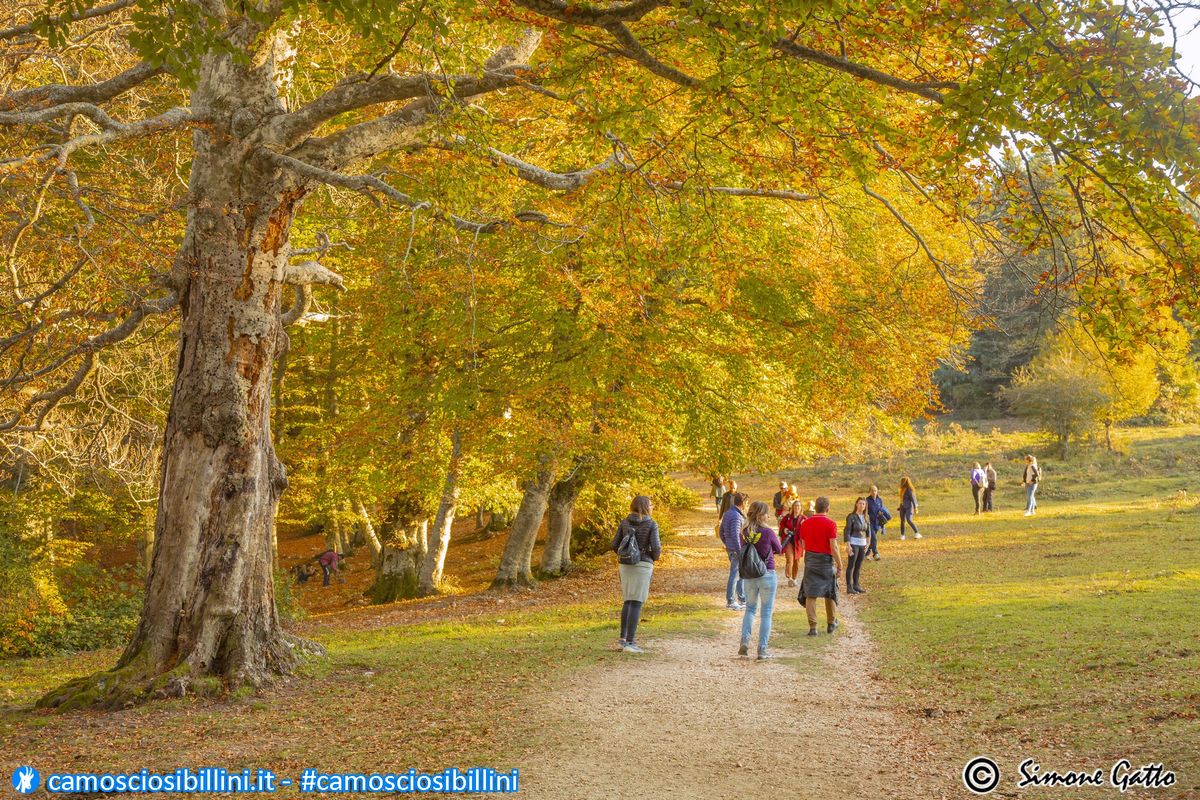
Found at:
[136, 682]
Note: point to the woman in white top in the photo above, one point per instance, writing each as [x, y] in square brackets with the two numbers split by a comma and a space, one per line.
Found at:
[858, 533]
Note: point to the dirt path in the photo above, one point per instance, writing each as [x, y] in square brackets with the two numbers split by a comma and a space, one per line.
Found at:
[690, 719]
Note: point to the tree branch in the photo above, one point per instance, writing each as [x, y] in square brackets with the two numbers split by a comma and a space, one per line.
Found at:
[58, 19]
[738, 191]
[928, 90]
[44, 402]
[501, 71]
[633, 49]
[114, 130]
[370, 185]
[586, 14]
[57, 93]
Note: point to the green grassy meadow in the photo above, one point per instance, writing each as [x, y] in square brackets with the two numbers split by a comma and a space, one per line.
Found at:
[1074, 632]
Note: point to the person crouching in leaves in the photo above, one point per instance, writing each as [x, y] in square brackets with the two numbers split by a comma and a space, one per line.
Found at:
[637, 547]
[329, 566]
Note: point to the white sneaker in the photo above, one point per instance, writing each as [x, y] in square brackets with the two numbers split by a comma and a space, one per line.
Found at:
[902, 537]
[1029, 513]
[632, 648]
[916, 536]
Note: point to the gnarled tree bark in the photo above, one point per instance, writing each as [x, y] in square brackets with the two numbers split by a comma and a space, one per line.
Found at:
[515, 562]
[556, 556]
[209, 616]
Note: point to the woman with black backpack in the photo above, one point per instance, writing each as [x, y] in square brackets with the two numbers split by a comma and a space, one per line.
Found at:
[637, 547]
[760, 588]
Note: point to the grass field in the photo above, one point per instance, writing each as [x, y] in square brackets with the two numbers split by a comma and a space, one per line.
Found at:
[422, 695]
[1074, 632]
[1071, 635]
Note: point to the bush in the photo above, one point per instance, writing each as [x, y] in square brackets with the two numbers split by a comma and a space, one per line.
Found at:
[95, 609]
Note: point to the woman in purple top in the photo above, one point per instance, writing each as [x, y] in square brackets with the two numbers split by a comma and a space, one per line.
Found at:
[760, 592]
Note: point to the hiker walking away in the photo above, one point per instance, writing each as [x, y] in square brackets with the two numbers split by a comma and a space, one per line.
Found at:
[789, 533]
[779, 499]
[1030, 480]
[635, 574]
[989, 486]
[877, 518]
[857, 534]
[821, 553]
[908, 506]
[730, 532]
[760, 592]
[718, 490]
[329, 566]
[978, 482]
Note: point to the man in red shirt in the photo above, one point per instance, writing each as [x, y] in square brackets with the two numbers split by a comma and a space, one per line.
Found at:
[818, 534]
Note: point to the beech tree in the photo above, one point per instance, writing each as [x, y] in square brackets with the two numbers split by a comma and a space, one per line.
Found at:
[258, 106]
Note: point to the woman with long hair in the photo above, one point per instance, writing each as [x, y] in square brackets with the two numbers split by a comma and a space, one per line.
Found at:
[635, 577]
[1030, 480]
[789, 533]
[857, 534]
[760, 592]
[908, 506]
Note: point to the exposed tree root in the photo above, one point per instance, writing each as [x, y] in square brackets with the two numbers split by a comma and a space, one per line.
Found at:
[137, 682]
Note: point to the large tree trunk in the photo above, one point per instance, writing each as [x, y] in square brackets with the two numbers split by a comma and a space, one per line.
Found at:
[368, 529]
[209, 619]
[515, 563]
[556, 557]
[399, 569]
[443, 522]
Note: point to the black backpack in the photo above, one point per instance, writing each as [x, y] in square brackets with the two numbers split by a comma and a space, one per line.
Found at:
[628, 551]
[750, 563]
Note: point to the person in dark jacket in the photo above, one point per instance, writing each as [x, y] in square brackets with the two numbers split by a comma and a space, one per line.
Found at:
[908, 506]
[857, 534]
[989, 487]
[780, 499]
[730, 532]
[635, 578]
[877, 517]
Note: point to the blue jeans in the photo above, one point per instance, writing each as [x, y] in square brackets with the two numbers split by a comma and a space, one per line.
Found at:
[876, 532]
[1031, 497]
[759, 592]
[906, 515]
[734, 582]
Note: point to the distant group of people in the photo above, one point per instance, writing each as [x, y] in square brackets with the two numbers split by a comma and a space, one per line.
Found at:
[984, 481]
[804, 532]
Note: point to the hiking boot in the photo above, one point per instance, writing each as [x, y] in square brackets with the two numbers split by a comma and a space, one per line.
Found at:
[812, 631]
[744, 650]
[831, 627]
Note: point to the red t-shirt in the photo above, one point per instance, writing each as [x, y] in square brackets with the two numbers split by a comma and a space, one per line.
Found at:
[818, 534]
